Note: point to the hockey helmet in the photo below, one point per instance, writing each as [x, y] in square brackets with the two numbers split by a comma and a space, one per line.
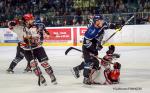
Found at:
[38, 19]
[114, 74]
[97, 17]
[28, 17]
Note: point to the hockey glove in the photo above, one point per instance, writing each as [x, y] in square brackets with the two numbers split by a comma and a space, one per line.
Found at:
[99, 47]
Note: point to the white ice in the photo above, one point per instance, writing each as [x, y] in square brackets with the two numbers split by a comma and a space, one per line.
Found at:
[135, 72]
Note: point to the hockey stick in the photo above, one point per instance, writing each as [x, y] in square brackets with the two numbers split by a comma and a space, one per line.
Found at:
[70, 48]
[117, 30]
[32, 53]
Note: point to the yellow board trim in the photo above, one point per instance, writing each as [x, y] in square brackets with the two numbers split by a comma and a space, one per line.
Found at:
[125, 44]
[79, 44]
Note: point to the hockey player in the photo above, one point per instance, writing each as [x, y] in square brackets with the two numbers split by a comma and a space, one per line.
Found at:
[20, 52]
[106, 75]
[41, 28]
[91, 45]
[33, 49]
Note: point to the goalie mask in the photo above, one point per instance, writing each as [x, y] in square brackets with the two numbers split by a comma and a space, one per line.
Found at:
[114, 75]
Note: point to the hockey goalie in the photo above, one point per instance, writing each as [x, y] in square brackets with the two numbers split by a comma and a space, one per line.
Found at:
[108, 72]
[103, 71]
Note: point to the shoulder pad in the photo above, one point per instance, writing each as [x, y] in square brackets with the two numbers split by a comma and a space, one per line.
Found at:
[91, 32]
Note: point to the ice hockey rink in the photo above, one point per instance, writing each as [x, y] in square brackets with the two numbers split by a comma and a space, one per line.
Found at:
[135, 72]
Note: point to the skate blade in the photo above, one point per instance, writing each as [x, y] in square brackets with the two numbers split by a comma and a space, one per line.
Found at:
[54, 83]
[9, 72]
[44, 84]
[27, 71]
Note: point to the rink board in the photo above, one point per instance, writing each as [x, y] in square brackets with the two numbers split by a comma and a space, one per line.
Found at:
[130, 35]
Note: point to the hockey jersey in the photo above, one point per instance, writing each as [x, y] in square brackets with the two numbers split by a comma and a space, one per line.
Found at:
[29, 37]
[41, 30]
[92, 38]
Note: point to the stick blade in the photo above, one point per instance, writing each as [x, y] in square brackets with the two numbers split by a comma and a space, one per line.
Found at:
[66, 52]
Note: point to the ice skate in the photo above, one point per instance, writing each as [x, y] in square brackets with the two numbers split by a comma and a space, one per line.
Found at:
[28, 69]
[53, 79]
[10, 71]
[75, 72]
[43, 81]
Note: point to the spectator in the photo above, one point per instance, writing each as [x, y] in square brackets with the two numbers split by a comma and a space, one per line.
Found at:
[66, 12]
[148, 21]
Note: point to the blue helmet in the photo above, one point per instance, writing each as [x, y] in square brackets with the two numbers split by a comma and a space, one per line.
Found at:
[97, 17]
[38, 19]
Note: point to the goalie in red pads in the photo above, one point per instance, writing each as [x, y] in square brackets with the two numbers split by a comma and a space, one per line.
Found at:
[104, 74]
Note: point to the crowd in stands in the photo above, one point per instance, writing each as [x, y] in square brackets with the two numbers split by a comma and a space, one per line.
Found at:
[64, 12]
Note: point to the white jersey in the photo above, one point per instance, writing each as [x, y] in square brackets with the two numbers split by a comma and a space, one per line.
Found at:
[101, 76]
[24, 33]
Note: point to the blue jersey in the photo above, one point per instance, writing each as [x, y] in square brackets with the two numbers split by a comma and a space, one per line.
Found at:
[92, 32]
[93, 36]
[40, 26]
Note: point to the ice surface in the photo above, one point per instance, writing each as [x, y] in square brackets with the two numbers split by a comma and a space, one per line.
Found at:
[135, 72]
